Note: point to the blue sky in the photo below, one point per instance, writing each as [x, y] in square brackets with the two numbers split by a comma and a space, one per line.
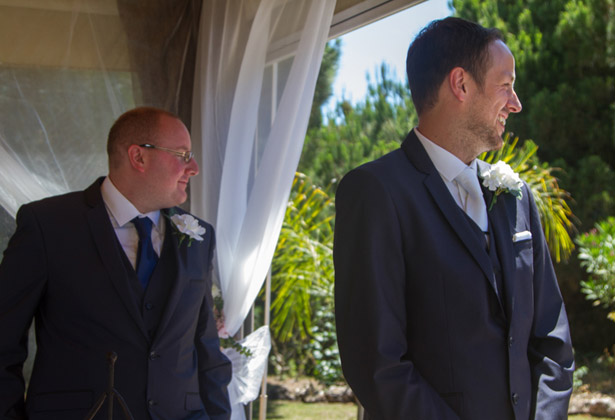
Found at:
[387, 40]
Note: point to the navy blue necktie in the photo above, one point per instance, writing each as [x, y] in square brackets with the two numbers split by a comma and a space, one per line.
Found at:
[146, 257]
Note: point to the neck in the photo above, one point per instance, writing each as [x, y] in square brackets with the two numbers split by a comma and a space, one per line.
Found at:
[450, 140]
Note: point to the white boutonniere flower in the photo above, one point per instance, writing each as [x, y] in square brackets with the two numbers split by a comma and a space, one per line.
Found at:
[187, 226]
[501, 178]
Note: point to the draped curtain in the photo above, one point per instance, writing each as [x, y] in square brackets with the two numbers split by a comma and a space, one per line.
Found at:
[257, 64]
[68, 69]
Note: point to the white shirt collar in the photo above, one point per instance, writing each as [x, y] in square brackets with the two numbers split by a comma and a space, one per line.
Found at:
[120, 208]
[447, 164]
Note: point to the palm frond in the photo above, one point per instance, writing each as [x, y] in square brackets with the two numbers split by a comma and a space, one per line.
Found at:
[302, 265]
[551, 201]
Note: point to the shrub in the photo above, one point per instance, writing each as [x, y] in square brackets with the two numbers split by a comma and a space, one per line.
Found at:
[597, 255]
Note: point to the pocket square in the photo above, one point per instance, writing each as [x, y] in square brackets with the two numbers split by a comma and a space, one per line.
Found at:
[522, 236]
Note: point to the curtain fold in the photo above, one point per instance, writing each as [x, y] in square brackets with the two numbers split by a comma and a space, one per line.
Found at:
[257, 65]
[69, 69]
[250, 147]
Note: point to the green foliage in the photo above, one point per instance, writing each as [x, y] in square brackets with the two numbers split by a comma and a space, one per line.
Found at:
[357, 134]
[597, 371]
[228, 342]
[597, 255]
[303, 325]
[324, 82]
[579, 373]
[551, 200]
[323, 346]
[595, 182]
[303, 264]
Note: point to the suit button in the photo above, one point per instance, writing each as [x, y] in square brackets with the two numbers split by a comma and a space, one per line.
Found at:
[510, 341]
[151, 403]
[153, 355]
[149, 306]
[515, 398]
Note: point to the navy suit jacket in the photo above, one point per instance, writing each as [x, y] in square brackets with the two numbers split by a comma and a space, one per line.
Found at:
[423, 331]
[64, 266]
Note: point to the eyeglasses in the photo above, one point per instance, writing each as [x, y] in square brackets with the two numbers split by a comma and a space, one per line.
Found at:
[186, 155]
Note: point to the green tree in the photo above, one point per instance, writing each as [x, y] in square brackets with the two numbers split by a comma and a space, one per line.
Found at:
[324, 82]
[356, 134]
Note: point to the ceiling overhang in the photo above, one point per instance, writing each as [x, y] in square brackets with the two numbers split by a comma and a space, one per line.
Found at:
[48, 33]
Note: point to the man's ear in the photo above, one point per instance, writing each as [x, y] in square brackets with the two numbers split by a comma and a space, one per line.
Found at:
[136, 157]
[458, 83]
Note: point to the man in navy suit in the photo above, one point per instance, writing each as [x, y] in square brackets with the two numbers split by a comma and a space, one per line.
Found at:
[96, 281]
[448, 307]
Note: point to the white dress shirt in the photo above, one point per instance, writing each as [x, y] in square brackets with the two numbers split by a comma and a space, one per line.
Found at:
[121, 212]
[448, 166]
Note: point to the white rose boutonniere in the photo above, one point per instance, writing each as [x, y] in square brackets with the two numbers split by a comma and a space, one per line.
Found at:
[501, 178]
[188, 226]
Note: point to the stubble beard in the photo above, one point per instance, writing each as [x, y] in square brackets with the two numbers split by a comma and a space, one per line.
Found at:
[483, 138]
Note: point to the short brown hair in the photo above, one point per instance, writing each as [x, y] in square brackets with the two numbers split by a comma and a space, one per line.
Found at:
[439, 48]
[137, 126]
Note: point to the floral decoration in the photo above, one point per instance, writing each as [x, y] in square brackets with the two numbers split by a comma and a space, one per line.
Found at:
[501, 178]
[226, 340]
[187, 226]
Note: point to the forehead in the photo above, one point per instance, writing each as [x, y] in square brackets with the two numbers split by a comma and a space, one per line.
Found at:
[501, 60]
[172, 133]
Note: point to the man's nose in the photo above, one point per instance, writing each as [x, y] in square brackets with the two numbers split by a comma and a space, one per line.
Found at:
[514, 104]
[193, 167]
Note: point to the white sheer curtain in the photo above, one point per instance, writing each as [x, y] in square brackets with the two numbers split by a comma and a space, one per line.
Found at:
[251, 125]
[257, 64]
[63, 79]
[68, 69]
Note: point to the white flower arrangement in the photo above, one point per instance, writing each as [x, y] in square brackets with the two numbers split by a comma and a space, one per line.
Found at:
[501, 178]
[187, 226]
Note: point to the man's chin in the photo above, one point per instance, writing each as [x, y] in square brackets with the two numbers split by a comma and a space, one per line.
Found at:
[177, 200]
[497, 143]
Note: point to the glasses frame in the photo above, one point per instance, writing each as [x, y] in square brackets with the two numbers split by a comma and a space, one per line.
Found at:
[186, 156]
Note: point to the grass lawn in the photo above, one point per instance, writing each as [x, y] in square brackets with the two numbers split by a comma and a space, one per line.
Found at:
[331, 411]
[277, 409]
[587, 417]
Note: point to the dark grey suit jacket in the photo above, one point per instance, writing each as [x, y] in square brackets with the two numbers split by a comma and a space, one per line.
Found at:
[64, 266]
[423, 331]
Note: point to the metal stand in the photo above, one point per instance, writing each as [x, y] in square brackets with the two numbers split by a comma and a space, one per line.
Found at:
[111, 393]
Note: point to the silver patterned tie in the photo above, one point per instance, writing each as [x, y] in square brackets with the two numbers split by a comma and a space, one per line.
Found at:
[474, 204]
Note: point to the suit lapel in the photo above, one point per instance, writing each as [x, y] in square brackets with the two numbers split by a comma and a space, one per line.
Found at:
[109, 250]
[437, 189]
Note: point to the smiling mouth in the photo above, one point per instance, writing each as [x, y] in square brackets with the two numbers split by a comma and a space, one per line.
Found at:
[502, 120]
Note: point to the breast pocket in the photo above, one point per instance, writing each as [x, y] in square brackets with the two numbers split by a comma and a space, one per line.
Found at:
[524, 252]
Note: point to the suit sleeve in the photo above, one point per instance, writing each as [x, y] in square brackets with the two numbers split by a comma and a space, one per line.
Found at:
[22, 282]
[215, 369]
[550, 348]
[370, 305]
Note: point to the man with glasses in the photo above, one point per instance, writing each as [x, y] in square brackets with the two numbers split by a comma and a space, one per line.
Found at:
[117, 268]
